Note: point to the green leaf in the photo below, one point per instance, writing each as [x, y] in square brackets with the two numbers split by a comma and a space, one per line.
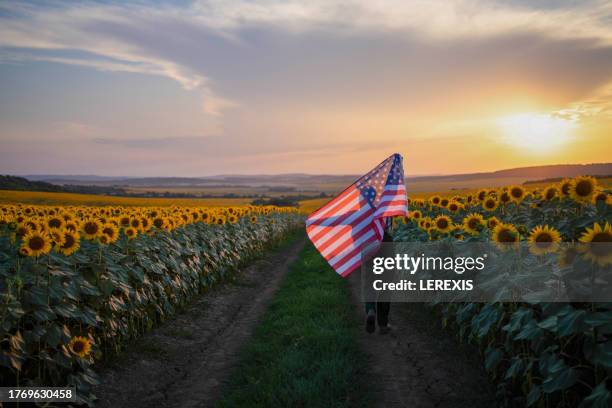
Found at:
[534, 395]
[44, 313]
[599, 397]
[515, 369]
[54, 335]
[571, 323]
[493, 356]
[560, 380]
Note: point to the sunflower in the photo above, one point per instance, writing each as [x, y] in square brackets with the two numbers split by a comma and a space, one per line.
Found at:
[601, 237]
[454, 206]
[544, 240]
[111, 232]
[57, 236]
[505, 234]
[565, 186]
[253, 219]
[232, 218]
[504, 197]
[582, 188]
[55, 222]
[81, 346]
[482, 194]
[91, 229]
[435, 200]
[517, 193]
[473, 223]
[37, 243]
[444, 202]
[130, 232]
[220, 219]
[72, 242]
[25, 251]
[550, 193]
[21, 230]
[135, 223]
[159, 222]
[600, 196]
[492, 223]
[416, 215]
[72, 225]
[490, 204]
[443, 223]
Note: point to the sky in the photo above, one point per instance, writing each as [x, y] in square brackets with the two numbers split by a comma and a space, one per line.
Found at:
[195, 88]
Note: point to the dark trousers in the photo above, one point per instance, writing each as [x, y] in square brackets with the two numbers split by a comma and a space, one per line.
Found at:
[382, 311]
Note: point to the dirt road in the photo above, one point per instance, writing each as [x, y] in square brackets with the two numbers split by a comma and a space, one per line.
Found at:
[420, 365]
[186, 361]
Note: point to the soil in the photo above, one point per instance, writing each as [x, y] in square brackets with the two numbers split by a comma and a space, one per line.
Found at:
[420, 364]
[187, 361]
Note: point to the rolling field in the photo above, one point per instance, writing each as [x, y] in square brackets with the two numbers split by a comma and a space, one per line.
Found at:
[44, 198]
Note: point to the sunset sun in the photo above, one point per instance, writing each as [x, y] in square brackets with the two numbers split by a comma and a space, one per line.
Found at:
[536, 131]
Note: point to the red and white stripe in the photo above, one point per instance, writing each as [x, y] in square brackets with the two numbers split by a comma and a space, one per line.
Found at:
[347, 225]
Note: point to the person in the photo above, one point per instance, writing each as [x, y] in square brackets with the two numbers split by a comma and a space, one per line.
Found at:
[378, 312]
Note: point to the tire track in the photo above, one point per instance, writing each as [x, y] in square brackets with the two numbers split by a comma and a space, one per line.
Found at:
[187, 360]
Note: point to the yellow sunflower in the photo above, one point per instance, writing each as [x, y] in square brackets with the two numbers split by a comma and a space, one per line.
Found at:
[37, 243]
[111, 232]
[55, 222]
[435, 200]
[473, 223]
[600, 196]
[57, 236]
[505, 234]
[550, 193]
[490, 204]
[492, 223]
[582, 188]
[443, 223]
[220, 219]
[232, 218]
[565, 186]
[517, 193]
[91, 229]
[79, 345]
[253, 219]
[454, 206]
[130, 232]
[416, 215]
[482, 194]
[544, 240]
[599, 243]
[72, 242]
[444, 202]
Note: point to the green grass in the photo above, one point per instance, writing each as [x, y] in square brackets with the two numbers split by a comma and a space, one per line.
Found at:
[305, 353]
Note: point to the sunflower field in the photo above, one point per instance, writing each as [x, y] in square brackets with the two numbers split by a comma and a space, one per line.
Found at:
[539, 354]
[77, 282]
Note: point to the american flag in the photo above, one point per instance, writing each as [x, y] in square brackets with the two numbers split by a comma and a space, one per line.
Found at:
[342, 228]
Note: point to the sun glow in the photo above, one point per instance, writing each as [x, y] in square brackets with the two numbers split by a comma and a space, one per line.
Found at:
[537, 132]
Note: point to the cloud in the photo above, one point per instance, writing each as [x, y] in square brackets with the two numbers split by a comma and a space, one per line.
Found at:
[277, 77]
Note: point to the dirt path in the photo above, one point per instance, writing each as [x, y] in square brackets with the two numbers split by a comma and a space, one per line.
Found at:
[185, 362]
[419, 364]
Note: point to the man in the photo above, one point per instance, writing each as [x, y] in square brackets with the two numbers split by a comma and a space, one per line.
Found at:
[378, 311]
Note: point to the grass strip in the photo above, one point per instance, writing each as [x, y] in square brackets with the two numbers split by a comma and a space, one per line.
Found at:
[305, 352]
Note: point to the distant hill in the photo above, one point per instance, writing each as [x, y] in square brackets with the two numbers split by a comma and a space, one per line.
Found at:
[264, 184]
[23, 184]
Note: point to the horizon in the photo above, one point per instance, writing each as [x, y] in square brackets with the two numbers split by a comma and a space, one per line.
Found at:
[251, 87]
[301, 174]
